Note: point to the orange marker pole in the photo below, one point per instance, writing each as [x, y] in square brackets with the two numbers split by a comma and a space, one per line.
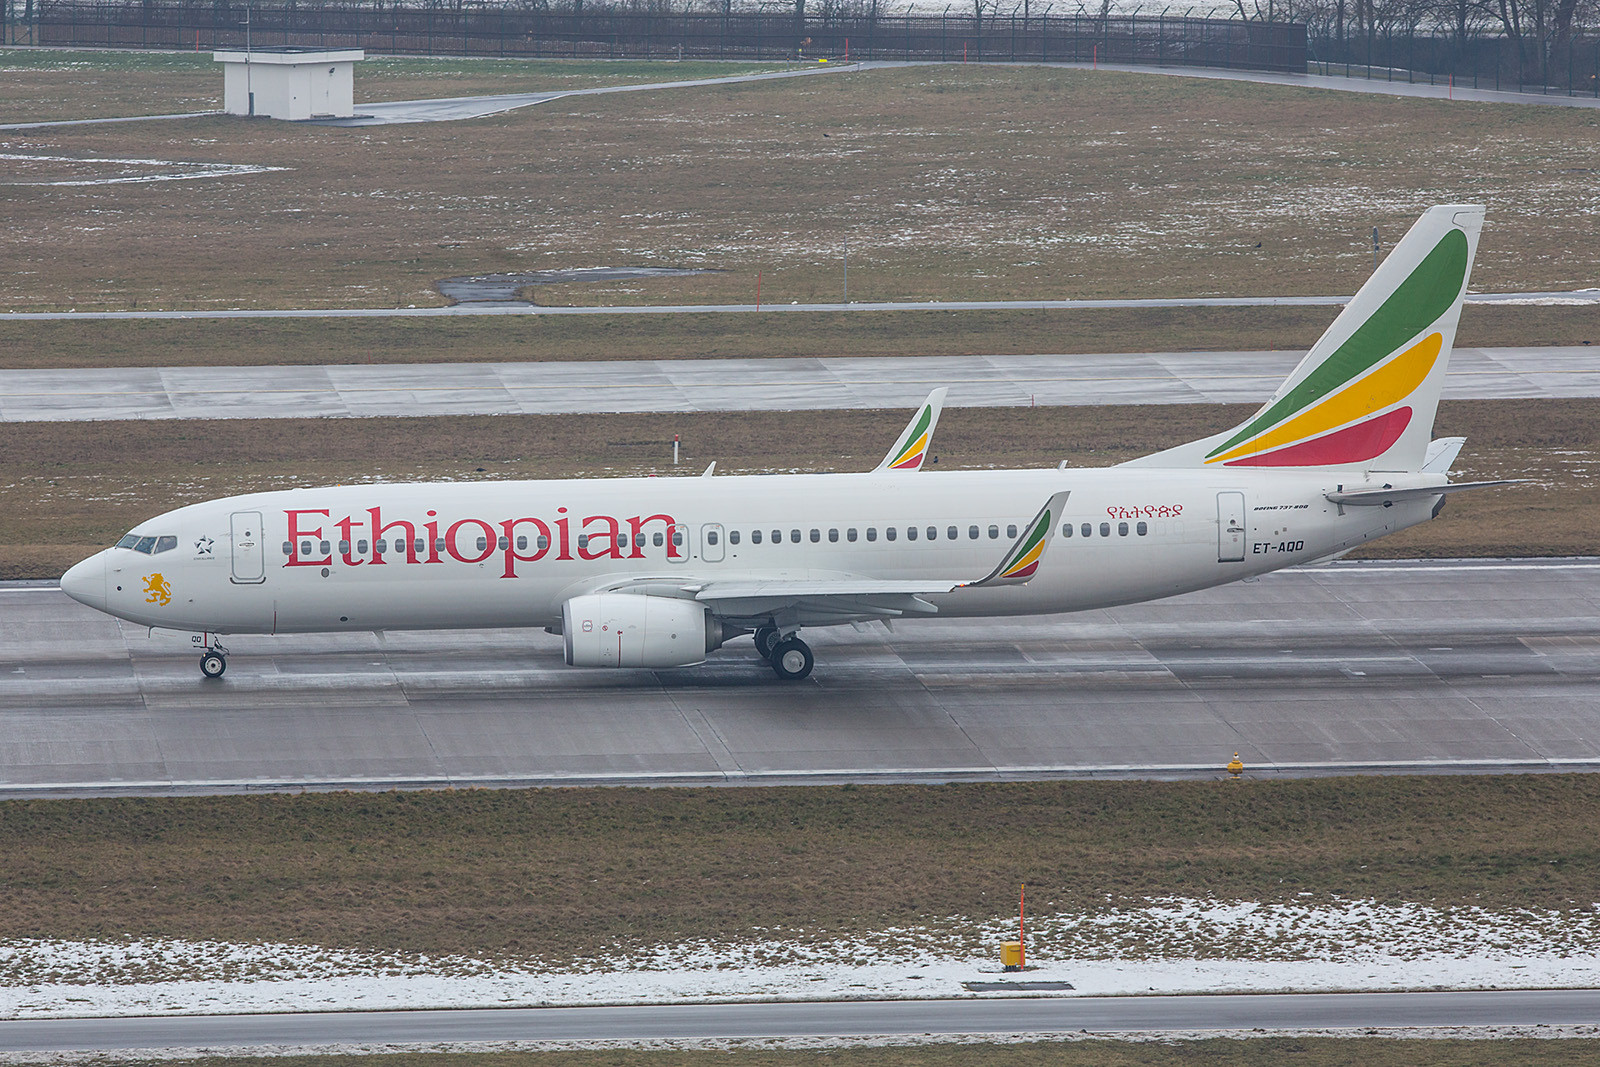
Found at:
[1022, 929]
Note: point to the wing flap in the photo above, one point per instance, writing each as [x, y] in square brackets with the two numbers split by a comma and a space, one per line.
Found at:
[1377, 497]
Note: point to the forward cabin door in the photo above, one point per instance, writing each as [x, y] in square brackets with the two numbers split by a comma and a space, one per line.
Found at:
[1231, 531]
[249, 559]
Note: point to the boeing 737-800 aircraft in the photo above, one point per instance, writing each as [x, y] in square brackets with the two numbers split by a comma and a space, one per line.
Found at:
[659, 572]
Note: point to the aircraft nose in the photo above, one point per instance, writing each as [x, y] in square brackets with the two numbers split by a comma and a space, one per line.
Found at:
[86, 582]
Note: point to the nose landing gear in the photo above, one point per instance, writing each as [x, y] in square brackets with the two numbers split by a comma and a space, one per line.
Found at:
[213, 661]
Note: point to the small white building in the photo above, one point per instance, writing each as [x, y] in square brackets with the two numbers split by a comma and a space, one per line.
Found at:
[289, 83]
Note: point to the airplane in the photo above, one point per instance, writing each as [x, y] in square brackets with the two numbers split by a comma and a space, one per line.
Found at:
[661, 572]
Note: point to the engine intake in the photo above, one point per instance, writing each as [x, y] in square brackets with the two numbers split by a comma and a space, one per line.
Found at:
[629, 630]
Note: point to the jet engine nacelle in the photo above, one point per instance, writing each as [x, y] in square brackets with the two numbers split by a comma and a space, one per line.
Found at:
[631, 630]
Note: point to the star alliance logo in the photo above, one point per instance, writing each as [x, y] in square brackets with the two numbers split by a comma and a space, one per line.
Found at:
[203, 546]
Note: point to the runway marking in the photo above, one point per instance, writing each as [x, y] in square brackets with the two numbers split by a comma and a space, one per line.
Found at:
[741, 777]
[763, 385]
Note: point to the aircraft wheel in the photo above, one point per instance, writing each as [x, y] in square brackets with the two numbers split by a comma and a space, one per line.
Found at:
[792, 659]
[766, 638]
[212, 664]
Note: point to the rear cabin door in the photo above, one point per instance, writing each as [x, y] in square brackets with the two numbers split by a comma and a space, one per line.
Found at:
[1231, 531]
[249, 559]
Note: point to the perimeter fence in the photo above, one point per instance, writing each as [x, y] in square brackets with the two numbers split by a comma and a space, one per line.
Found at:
[1570, 67]
[503, 30]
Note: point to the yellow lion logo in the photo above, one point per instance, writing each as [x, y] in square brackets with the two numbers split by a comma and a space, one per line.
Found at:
[158, 589]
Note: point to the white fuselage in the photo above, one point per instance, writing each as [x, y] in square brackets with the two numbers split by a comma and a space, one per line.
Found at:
[469, 555]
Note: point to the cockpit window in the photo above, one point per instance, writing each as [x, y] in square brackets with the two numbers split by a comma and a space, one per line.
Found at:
[150, 546]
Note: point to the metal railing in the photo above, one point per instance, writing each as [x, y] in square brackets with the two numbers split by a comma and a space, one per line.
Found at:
[498, 30]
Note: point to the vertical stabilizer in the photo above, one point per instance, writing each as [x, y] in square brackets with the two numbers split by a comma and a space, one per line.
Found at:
[1366, 393]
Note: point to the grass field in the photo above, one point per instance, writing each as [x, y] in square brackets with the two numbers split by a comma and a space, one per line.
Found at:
[224, 342]
[1091, 1052]
[567, 875]
[948, 182]
[44, 85]
[68, 489]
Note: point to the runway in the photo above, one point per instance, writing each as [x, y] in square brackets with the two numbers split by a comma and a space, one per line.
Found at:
[1353, 667]
[1107, 1016]
[1564, 297]
[779, 384]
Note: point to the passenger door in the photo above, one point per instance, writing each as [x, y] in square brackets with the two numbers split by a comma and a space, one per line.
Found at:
[249, 558]
[1231, 530]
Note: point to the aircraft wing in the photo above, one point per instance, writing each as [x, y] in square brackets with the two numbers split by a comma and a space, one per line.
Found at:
[911, 450]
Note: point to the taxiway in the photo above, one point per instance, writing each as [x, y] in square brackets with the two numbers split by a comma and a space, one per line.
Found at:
[1471, 665]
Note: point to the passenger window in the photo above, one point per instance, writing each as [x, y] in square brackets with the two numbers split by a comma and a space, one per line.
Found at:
[543, 542]
[418, 547]
[777, 537]
[1066, 529]
[1086, 530]
[994, 532]
[1143, 528]
[833, 535]
[522, 542]
[677, 538]
[933, 533]
[128, 541]
[711, 537]
[288, 548]
[659, 539]
[952, 533]
[622, 540]
[733, 537]
[438, 544]
[166, 544]
[305, 548]
[872, 533]
[816, 536]
[1122, 529]
[503, 542]
[755, 537]
[889, 533]
[583, 541]
[381, 546]
[972, 532]
[483, 544]
[361, 546]
[1011, 531]
[325, 548]
[1105, 529]
[794, 536]
[344, 548]
[911, 533]
[145, 545]
[850, 534]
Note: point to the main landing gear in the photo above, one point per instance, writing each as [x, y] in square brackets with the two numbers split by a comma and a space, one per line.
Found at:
[790, 657]
[213, 661]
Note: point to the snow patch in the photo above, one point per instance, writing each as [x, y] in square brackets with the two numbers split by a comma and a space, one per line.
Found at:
[1173, 945]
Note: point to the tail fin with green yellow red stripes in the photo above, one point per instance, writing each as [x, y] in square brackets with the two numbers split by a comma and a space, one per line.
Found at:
[1366, 393]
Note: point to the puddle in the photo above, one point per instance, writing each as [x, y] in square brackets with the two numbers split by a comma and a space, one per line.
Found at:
[503, 288]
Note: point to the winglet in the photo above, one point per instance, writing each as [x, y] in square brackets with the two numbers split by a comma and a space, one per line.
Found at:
[1022, 562]
[911, 449]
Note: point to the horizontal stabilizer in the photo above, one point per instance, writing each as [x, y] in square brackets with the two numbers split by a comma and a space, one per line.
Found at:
[1377, 497]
